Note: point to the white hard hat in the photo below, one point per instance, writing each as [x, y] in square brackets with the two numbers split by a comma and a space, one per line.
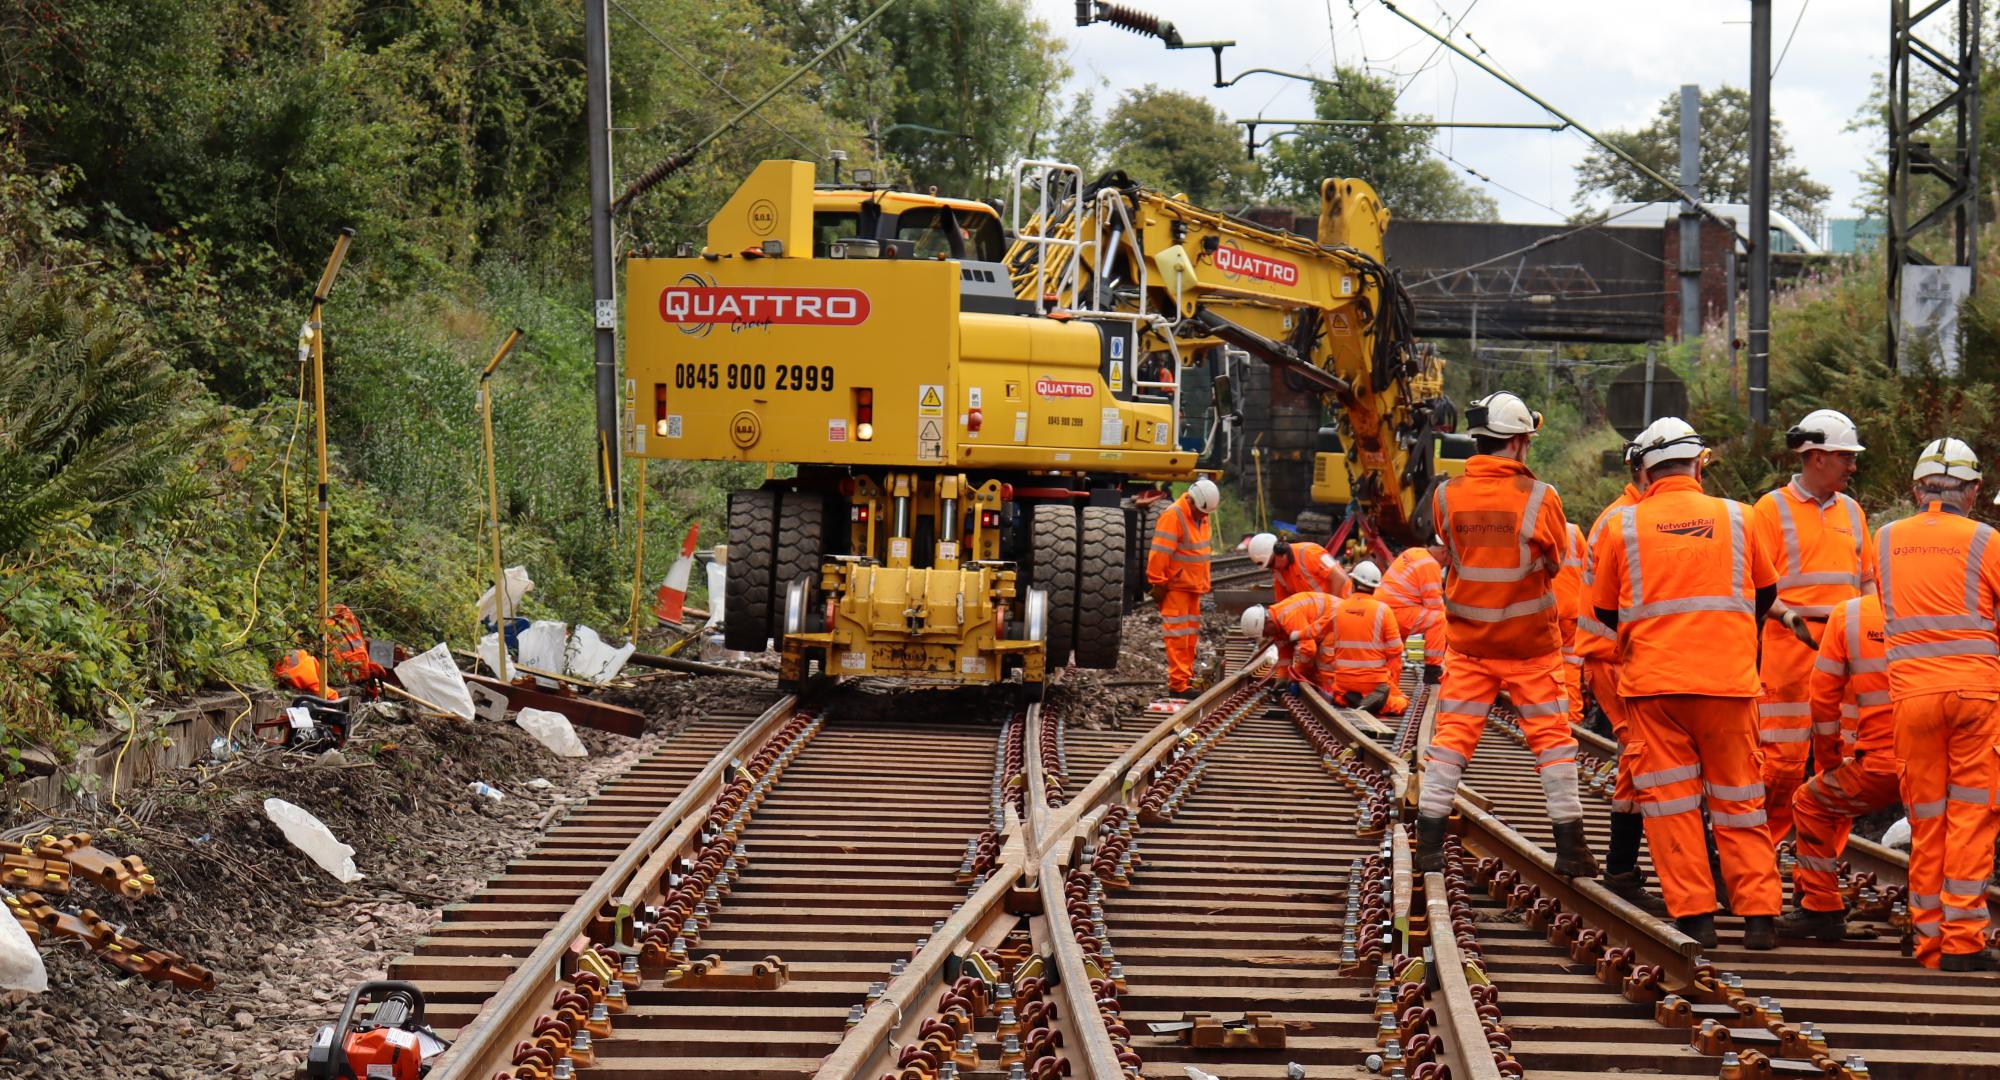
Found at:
[1502, 416]
[1366, 574]
[1253, 621]
[1204, 495]
[1669, 438]
[1947, 456]
[1261, 546]
[1824, 429]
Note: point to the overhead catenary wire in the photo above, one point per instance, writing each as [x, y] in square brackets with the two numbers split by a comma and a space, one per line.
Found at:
[1522, 250]
[676, 162]
[1529, 198]
[1782, 53]
[710, 79]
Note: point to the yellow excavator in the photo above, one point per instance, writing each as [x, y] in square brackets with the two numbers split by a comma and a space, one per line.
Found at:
[980, 431]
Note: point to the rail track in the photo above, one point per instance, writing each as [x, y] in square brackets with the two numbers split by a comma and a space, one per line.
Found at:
[874, 886]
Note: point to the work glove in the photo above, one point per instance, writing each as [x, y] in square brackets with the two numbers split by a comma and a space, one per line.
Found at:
[1159, 593]
[1800, 629]
[1376, 699]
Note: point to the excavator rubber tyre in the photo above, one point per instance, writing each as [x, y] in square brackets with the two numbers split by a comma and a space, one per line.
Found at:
[1760, 932]
[799, 550]
[1699, 927]
[1139, 522]
[748, 595]
[1429, 853]
[1052, 568]
[1100, 587]
[1573, 857]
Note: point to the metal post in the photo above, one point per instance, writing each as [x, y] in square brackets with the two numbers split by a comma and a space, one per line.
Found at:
[1690, 218]
[1760, 208]
[320, 293]
[604, 288]
[501, 611]
[1651, 357]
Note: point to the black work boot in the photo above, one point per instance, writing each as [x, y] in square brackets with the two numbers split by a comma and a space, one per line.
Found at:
[1760, 932]
[1699, 927]
[1984, 960]
[1630, 887]
[1429, 854]
[1433, 674]
[1813, 925]
[1573, 857]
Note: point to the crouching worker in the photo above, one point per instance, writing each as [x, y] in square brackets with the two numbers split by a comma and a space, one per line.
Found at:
[1367, 648]
[1302, 626]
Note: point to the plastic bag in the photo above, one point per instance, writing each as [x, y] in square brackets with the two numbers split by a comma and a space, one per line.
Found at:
[553, 730]
[1898, 835]
[518, 585]
[718, 584]
[435, 678]
[489, 654]
[590, 658]
[20, 962]
[310, 835]
[543, 645]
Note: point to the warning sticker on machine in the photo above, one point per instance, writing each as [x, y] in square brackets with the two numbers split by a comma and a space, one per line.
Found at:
[1111, 431]
[1159, 434]
[854, 661]
[836, 430]
[1341, 327]
[972, 665]
[899, 547]
[673, 426]
[930, 400]
[1020, 427]
[1117, 378]
[930, 440]
[947, 549]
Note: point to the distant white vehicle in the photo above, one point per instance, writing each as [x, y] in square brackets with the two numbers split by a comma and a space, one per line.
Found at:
[1659, 213]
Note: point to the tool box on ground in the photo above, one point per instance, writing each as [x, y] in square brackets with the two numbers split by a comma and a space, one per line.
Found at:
[391, 1042]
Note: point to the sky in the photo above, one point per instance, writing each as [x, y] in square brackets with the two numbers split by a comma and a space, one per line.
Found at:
[1607, 63]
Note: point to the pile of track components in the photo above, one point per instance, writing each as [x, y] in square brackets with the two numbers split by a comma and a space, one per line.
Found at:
[48, 867]
[309, 725]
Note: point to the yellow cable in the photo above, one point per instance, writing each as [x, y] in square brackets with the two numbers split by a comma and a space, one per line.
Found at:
[284, 511]
[131, 732]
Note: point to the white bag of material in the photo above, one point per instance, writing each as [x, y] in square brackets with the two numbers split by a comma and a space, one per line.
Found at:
[310, 835]
[591, 659]
[718, 584]
[553, 730]
[20, 962]
[542, 646]
[489, 654]
[518, 586]
[435, 678]
[1898, 835]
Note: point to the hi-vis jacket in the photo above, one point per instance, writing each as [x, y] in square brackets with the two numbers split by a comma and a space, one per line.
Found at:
[1940, 581]
[1506, 535]
[1180, 549]
[1850, 685]
[1594, 640]
[1820, 549]
[1311, 571]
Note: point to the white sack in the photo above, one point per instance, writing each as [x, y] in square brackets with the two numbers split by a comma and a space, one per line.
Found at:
[591, 659]
[310, 835]
[718, 584]
[542, 646]
[552, 730]
[489, 654]
[1898, 835]
[434, 677]
[20, 962]
[518, 586]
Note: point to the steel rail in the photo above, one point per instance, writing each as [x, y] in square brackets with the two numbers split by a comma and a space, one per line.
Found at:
[486, 1043]
[1465, 1048]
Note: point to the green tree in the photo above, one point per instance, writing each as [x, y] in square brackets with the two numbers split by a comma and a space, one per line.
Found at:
[1177, 142]
[1397, 161]
[1725, 159]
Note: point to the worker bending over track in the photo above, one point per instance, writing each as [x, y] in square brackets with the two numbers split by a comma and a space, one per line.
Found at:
[1854, 727]
[1504, 537]
[1940, 591]
[1680, 577]
[1177, 570]
[1302, 626]
[1597, 646]
[1298, 566]
[1413, 587]
[1818, 538]
[1367, 649]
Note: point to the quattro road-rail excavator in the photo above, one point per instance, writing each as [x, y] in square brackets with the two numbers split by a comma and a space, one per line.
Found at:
[982, 423]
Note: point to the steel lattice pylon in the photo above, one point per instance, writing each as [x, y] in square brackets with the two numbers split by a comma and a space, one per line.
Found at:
[1927, 84]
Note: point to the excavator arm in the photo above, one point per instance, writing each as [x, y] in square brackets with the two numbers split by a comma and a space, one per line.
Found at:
[1325, 309]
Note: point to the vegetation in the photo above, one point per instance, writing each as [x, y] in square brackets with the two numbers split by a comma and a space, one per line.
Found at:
[1398, 161]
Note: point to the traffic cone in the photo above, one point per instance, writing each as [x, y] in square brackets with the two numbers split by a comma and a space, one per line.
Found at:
[673, 592]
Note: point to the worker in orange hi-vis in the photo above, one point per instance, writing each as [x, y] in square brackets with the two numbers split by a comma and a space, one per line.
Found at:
[1298, 566]
[1853, 726]
[1177, 570]
[1367, 649]
[1597, 646]
[1818, 537]
[1569, 604]
[1940, 591]
[1680, 577]
[1504, 537]
[1413, 587]
[1301, 625]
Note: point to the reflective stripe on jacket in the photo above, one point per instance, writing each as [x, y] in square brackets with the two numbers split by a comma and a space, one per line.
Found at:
[1413, 580]
[1179, 559]
[1682, 570]
[1505, 533]
[1940, 581]
[1307, 622]
[1594, 640]
[1820, 548]
[1850, 685]
[1366, 640]
[1311, 570]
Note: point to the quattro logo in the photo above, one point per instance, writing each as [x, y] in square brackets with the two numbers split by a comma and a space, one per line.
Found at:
[695, 306]
[1236, 262]
[1064, 388]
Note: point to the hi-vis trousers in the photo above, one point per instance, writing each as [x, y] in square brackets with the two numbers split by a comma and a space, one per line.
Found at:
[1784, 720]
[1603, 676]
[1824, 810]
[1180, 627]
[1684, 748]
[1951, 768]
[1471, 685]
